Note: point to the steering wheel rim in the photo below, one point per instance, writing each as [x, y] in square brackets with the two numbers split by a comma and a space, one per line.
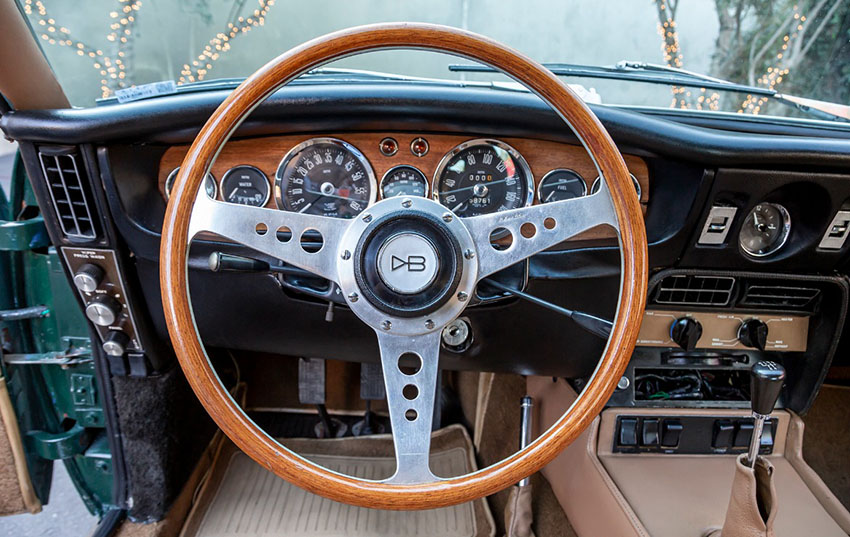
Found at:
[179, 225]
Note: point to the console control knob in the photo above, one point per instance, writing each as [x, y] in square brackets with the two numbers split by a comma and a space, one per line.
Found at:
[115, 343]
[686, 332]
[103, 311]
[753, 333]
[88, 277]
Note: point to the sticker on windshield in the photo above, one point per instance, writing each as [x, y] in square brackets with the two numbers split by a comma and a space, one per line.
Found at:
[145, 91]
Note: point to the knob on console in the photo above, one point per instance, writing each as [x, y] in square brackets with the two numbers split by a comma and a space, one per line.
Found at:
[753, 333]
[115, 343]
[766, 379]
[88, 277]
[103, 311]
[686, 332]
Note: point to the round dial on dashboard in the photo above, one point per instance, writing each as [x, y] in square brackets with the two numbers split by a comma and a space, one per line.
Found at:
[561, 184]
[765, 230]
[481, 177]
[404, 180]
[594, 188]
[209, 183]
[245, 185]
[326, 177]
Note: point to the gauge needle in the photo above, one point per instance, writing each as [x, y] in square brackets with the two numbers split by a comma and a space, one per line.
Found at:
[549, 196]
[306, 207]
[471, 187]
[235, 190]
[321, 194]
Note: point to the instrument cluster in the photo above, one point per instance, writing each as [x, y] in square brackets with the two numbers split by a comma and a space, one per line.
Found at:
[328, 176]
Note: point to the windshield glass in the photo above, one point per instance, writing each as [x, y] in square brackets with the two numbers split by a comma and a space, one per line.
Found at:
[799, 48]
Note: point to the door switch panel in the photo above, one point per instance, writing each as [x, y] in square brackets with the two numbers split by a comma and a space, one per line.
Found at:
[717, 225]
[98, 281]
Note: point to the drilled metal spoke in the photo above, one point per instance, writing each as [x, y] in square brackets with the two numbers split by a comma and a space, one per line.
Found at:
[305, 241]
[410, 397]
[545, 226]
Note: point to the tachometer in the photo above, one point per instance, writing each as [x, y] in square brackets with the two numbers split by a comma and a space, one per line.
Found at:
[481, 177]
[245, 185]
[327, 177]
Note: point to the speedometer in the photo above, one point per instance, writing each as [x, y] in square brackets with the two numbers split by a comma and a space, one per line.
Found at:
[483, 176]
[326, 177]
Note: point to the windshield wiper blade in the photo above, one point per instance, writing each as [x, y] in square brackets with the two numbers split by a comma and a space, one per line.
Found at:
[671, 76]
[631, 71]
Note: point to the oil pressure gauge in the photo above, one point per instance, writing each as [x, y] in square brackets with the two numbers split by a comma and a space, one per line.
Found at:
[765, 229]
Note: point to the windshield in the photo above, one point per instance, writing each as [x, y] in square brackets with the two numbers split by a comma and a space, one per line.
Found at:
[799, 48]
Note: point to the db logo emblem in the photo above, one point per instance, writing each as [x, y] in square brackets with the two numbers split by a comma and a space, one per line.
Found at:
[414, 263]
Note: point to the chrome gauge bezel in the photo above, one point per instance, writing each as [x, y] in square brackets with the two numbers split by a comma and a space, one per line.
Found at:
[516, 155]
[361, 158]
[550, 173]
[172, 175]
[786, 230]
[227, 174]
[638, 188]
[389, 172]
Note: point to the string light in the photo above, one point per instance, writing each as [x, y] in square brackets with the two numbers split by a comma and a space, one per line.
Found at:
[774, 74]
[672, 52]
[220, 44]
[112, 69]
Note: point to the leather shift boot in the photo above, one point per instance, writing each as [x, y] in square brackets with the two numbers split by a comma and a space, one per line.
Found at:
[752, 506]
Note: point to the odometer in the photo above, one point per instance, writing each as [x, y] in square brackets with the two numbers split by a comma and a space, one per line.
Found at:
[326, 177]
[481, 177]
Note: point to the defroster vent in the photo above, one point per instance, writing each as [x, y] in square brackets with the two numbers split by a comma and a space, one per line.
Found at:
[64, 173]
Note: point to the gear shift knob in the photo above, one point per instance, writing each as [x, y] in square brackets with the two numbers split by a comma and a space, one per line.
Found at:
[766, 379]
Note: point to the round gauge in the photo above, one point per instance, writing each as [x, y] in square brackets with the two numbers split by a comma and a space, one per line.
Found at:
[765, 229]
[245, 185]
[209, 183]
[403, 181]
[483, 176]
[562, 184]
[594, 188]
[326, 177]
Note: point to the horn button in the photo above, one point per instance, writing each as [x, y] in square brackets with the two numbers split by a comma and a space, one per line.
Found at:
[408, 264]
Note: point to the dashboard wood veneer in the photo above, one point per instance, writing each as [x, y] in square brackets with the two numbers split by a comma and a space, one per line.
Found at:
[542, 156]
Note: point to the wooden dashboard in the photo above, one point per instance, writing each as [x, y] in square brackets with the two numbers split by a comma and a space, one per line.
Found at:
[542, 156]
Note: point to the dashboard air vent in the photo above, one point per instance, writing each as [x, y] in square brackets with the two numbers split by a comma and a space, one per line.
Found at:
[63, 172]
[695, 290]
[779, 296]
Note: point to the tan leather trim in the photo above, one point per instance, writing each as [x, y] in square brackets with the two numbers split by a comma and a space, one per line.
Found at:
[10, 423]
[794, 454]
[609, 422]
[588, 495]
[26, 79]
[752, 502]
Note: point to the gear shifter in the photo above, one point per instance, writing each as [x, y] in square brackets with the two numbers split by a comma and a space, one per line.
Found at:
[766, 379]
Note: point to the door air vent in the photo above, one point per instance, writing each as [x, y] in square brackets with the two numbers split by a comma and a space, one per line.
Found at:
[695, 290]
[779, 296]
[63, 171]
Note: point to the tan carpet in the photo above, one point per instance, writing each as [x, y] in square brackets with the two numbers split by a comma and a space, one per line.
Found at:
[826, 441]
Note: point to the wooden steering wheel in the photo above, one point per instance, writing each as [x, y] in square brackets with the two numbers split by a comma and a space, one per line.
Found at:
[409, 310]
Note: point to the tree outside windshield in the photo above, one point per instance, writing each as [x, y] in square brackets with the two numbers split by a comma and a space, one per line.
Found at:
[796, 47]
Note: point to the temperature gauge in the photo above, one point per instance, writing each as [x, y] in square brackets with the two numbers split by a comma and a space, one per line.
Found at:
[245, 185]
[404, 181]
[562, 184]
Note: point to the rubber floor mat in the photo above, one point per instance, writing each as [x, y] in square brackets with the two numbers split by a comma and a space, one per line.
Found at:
[241, 498]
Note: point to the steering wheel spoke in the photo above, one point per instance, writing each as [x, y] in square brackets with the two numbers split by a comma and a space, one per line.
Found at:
[305, 241]
[410, 365]
[534, 229]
